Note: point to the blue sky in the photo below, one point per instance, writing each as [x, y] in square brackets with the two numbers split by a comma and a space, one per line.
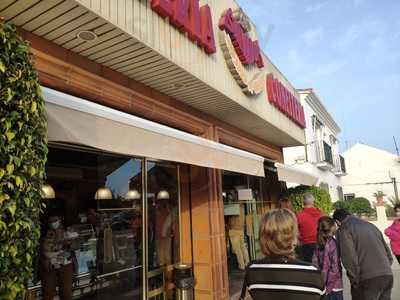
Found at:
[348, 51]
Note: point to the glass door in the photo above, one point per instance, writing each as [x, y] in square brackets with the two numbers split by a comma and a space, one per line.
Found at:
[163, 234]
[119, 226]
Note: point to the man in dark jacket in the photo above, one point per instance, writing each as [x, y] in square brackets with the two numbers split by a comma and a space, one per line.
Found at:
[365, 256]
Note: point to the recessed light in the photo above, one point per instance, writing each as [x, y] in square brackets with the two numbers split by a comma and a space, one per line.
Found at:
[87, 36]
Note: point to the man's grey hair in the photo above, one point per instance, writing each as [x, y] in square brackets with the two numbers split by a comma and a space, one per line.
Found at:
[308, 199]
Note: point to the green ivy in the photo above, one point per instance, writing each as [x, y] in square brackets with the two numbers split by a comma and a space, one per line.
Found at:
[23, 152]
[322, 197]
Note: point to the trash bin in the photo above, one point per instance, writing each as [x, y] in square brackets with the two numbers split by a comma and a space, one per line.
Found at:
[184, 281]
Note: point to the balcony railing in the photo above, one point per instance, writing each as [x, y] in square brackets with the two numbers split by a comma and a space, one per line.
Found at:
[324, 154]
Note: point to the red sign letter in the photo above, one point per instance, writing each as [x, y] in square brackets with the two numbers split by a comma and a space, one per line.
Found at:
[180, 16]
[162, 7]
[194, 21]
[207, 32]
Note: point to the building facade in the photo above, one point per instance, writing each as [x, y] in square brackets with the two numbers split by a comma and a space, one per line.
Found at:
[166, 125]
[370, 170]
[320, 154]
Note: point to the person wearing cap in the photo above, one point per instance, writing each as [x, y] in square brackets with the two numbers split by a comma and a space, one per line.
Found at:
[365, 256]
[308, 223]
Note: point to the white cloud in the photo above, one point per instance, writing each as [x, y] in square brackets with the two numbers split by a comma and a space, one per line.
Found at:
[311, 36]
[315, 7]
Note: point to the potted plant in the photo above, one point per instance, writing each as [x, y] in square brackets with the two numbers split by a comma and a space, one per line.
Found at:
[379, 198]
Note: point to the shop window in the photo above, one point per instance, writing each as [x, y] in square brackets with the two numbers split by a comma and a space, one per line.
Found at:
[92, 240]
[242, 196]
[246, 199]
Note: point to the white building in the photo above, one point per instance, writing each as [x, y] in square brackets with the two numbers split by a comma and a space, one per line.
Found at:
[370, 170]
[320, 155]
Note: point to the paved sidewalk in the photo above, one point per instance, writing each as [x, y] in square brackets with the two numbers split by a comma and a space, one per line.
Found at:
[396, 288]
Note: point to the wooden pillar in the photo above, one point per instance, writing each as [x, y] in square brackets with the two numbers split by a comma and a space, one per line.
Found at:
[209, 245]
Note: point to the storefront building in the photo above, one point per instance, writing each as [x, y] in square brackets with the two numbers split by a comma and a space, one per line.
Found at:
[166, 124]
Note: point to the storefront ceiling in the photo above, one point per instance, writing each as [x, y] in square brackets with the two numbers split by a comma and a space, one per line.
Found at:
[117, 48]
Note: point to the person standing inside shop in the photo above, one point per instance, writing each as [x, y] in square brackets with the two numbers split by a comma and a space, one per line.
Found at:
[164, 231]
[393, 233]
[56, 265]
[236, 236]
[308, 223]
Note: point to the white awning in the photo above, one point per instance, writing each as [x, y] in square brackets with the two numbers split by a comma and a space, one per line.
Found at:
[75, 120]
[290, 174]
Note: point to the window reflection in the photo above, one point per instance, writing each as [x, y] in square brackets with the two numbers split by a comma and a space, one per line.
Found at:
[99, 204]
[163, 222]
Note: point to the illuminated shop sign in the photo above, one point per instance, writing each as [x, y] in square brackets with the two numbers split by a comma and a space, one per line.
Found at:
[248, 51]
[242, 55]
[189, 17]
[285, 101]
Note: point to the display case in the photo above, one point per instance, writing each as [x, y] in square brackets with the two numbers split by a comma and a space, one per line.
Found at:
[119, 244]
[84, 247]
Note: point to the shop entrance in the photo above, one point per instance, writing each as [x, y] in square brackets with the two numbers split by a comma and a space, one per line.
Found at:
[110, 229]
[246, 199]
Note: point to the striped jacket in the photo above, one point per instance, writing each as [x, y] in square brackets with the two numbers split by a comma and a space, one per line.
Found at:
[284, 279]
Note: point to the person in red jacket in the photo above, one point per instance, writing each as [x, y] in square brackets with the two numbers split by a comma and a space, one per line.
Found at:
[393, 233]
[308, 223]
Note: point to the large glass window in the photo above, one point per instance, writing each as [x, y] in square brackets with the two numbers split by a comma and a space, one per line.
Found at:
[93, 243]
[246, 199]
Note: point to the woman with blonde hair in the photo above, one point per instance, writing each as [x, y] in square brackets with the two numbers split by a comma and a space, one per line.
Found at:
[279, 275]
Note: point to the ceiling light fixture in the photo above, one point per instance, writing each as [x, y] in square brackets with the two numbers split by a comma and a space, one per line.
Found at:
[48, 191]
[103, 193]
[87, 36]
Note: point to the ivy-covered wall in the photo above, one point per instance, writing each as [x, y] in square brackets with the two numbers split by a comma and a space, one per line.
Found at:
[23, 151]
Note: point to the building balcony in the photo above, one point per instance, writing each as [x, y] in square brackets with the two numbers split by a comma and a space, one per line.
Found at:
[324, 155]
[340, 166]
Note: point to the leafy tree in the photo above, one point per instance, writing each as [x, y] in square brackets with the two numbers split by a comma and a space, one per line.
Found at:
[23, 151]
[389, 210]
[361, 206]
[357, 206]
[342, 204]
[322, 197]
